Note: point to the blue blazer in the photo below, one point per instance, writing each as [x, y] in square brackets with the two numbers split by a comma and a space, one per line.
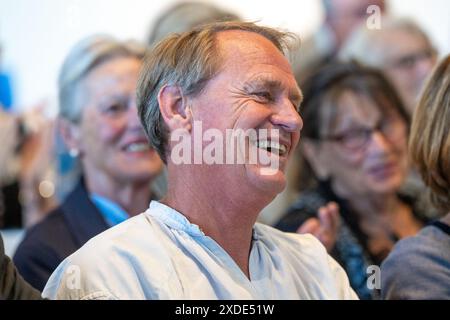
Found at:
[61, 233]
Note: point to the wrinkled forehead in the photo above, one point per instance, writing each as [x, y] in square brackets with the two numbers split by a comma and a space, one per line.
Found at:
[245, 46]
[251, 60]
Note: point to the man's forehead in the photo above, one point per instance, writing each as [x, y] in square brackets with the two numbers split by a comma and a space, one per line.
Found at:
[243, 41]
[254, 56]
[268, 81]
[236, 46]
[236, 34]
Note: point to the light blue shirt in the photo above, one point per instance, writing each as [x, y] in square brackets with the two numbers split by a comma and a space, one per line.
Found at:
[160, 255]
[111, 211]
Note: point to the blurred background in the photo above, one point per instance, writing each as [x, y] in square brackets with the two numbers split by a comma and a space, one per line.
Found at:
[35, 35]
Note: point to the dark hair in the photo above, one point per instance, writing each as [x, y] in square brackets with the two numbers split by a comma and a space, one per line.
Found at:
[328, 83]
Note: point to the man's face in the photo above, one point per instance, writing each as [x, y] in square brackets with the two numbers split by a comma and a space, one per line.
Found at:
[254, 89]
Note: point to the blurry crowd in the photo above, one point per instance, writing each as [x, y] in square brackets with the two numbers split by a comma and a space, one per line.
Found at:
[68, 179]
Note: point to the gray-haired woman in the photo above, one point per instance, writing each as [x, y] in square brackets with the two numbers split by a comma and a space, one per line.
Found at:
[100, 126]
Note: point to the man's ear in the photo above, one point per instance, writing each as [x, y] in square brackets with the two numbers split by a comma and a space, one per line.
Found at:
[70, 134]
[312, 152]
[174, 108]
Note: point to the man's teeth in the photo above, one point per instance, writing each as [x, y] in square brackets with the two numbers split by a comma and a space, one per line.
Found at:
[272, 147]
[137, 147]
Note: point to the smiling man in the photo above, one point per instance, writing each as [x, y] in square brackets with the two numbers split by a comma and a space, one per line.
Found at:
[201, 240]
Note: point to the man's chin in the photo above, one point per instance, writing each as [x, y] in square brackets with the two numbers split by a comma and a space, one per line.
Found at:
[269, 180]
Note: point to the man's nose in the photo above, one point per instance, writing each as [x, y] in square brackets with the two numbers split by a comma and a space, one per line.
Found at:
[288, 118]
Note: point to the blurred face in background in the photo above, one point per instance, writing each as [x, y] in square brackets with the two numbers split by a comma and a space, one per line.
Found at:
[343, 16]
[111, 140]
[408, 60]
[363, 148]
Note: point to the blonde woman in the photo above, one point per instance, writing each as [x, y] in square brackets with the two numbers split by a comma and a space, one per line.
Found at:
[419, 266]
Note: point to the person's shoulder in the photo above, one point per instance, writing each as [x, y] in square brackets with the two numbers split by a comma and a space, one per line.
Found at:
[124, 236]
[423, 245]
[417, 266]
[47, 235]
[404, 252]
[310, 261]
[288, 239]
[110, 263]
[133, 235]
[54, 219]
[297, 247]
[43, 248]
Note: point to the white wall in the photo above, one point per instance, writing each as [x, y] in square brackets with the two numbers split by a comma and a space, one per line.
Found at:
[37, 34]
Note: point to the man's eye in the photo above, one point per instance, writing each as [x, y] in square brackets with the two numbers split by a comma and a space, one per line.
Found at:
[264, 95]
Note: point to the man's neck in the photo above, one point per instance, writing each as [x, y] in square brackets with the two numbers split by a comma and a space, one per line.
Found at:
[217, 212]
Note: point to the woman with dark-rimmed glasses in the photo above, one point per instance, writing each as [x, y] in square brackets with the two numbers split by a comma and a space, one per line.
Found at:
[355, 144]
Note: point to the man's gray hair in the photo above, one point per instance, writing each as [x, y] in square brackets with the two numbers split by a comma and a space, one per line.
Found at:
[85, 56]
[185, 16]
[188, 60]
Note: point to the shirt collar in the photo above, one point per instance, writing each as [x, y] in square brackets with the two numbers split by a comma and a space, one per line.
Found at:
[178, 221]
[173, 219]
[111, 211]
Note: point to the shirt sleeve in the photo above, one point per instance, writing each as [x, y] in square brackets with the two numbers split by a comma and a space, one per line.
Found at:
[343, 288]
